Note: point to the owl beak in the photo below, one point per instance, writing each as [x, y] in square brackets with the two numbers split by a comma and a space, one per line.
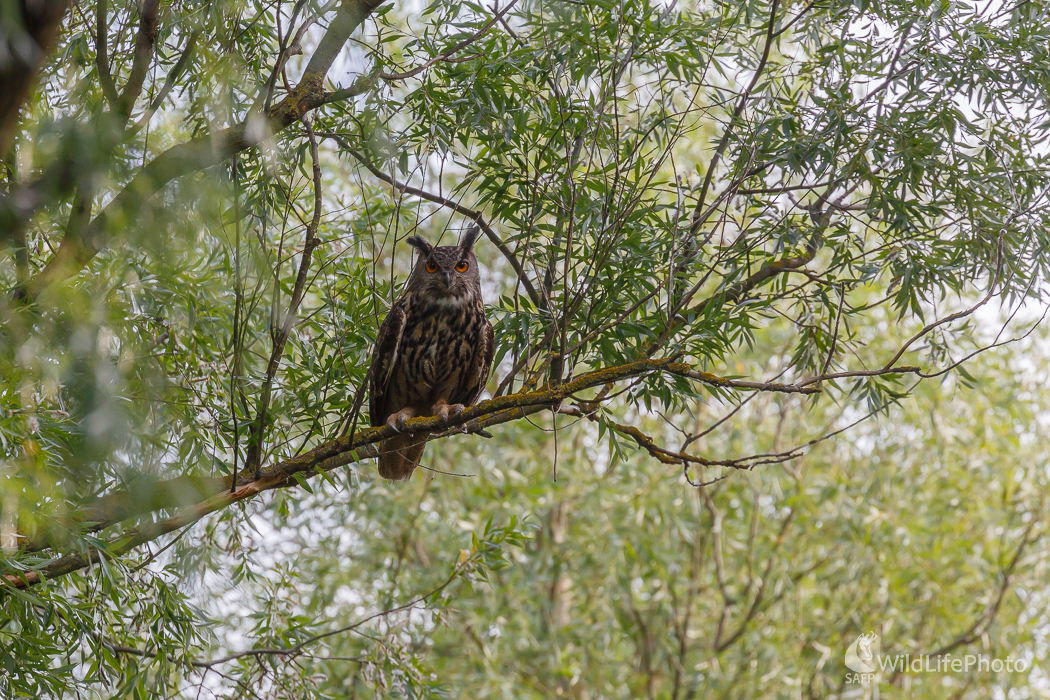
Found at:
[448, 279]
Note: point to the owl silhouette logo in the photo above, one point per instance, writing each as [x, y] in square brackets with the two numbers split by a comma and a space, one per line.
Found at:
[860, 656]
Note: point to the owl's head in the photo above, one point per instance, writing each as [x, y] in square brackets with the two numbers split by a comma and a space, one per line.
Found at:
[448, 271]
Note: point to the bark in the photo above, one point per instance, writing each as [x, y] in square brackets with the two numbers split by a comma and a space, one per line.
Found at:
[30, 36]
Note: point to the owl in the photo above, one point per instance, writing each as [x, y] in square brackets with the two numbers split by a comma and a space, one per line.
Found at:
[433, 352]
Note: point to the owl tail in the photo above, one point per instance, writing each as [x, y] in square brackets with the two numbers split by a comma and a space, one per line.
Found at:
[399, 456]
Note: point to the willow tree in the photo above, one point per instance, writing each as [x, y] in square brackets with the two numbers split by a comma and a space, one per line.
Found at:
[204, 214]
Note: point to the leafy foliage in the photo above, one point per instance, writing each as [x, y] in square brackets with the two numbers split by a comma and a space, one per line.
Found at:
[799, 209]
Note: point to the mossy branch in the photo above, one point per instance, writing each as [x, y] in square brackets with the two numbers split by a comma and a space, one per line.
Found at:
[199, 496]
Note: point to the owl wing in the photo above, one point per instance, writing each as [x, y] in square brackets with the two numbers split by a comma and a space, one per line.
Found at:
[384, 357]
[476, 379]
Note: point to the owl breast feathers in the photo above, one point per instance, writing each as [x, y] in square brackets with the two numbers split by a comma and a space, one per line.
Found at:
[433, 352]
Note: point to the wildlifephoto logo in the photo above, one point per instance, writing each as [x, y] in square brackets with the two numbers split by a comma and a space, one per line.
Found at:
[861, 655]
[866, 662]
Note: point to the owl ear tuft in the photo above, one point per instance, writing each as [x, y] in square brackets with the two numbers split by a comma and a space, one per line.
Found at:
[467, 244]
[421, 244]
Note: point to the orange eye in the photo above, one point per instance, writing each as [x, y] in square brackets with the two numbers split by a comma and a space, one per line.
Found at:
[462, 266]
[432, 266]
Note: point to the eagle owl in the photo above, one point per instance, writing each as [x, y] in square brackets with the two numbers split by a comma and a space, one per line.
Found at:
[433, 352]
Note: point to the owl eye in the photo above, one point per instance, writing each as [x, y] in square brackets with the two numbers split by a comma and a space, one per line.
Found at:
[462, 266]
[432, 266]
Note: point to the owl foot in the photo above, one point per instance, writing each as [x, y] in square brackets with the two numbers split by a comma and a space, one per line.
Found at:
[445, 411]
[397, 420]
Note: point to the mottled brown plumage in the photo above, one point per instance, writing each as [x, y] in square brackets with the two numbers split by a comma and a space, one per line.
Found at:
[434, 350]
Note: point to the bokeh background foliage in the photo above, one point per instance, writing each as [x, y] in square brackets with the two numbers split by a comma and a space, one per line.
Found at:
[767, 280]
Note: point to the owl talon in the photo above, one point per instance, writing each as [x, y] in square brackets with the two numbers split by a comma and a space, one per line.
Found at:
[442, 413]
[396, 421]
[446, 411]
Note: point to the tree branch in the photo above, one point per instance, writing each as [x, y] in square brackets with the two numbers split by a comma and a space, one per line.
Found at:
[475, 216]
[169, 82]
[254, 458]
[143, 57]
[720, 644]
[206, 494]
[698, 220]
[455, 49]
[33, 26]
[207, 151]
[985, 620]
[114, 129]
[296, 649]
[105, 78]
